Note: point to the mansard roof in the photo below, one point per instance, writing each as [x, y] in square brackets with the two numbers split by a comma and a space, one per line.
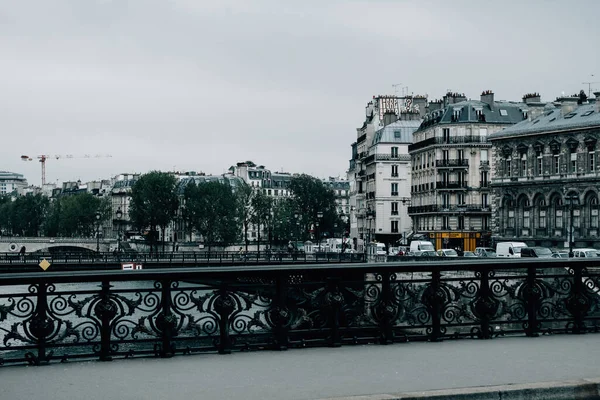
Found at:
[397, 132]
[475, 111]
[553, 119]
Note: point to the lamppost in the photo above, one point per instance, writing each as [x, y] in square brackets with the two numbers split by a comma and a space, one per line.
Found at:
[369, 214]
[319, 217]
[119, 215]
[572, 200]
[98, 216]
[268, 222]
[344, 219]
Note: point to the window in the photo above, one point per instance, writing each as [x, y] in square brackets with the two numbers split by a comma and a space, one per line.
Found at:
[460, 154]
[484, 200]
[504, 113]
[507, 163]
[446, 135]
[394, 189]
[461, 222]
[394, 208]
[445, 155]
[541, 217]
[445, 200]
[539, 163]
[484, 155]
[276, 192]
[585, 114]
[445, 224]
[593, 206]
[556, 169]
[397, 134]
[460, 199]
[394, 152]
[484, 179]
[523, 171]
[394, 226]
[591, 163]
[573, 162]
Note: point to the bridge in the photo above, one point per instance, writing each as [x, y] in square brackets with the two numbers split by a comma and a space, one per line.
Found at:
[419, 310]
[13, 244]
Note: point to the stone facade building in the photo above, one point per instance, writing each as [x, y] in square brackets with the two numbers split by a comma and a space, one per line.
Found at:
[546, 186]
[451, 173]
[378, 175]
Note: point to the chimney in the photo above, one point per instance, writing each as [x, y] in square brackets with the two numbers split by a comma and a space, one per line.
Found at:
[420, 103]
[453, 98]
[532, 98]
[389, 117]
[597, 94]
[567, 104]
[487, 97]
[435, 105]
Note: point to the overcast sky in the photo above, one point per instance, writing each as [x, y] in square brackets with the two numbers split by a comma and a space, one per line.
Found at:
[200, 85]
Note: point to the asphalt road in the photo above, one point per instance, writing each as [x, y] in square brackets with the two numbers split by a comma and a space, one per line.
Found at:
[313, 373]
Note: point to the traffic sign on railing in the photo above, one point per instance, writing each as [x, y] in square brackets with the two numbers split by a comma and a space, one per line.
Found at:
[130, 266]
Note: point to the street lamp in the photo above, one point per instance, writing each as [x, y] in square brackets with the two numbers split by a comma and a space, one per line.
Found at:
[268, 221]
[369, 214]
[98, 216]
[573, 201]
[119, 215]
[319, 217]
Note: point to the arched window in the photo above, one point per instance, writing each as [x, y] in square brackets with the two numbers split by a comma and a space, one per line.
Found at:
[557, 216]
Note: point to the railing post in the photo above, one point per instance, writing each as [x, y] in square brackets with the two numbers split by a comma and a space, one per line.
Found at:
[224, 306]
[532, 300]
[578, 303]
[106, 310]
[485, 307]
[166, 321]
[280, 314]
[387, 310]
[334, 300]
[40, 327]
[437, 298]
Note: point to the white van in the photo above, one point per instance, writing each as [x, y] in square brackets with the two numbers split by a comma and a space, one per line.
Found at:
[421, 245]
[509, 249]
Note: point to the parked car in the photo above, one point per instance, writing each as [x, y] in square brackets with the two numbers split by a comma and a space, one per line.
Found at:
[469, 254]
[509, 249]
[428, 253]
[560, 254]
[447, 253]
[579, 253]
[485, 252]
[536, 252]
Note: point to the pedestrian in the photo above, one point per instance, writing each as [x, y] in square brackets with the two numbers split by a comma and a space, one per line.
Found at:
[22, 252]
[242, 254]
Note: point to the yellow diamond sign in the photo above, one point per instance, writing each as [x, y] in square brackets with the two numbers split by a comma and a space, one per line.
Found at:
[44, 264]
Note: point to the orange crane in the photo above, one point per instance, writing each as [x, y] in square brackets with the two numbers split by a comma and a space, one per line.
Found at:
[44, 157]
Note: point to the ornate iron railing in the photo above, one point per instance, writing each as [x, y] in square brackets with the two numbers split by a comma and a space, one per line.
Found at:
[60, 316]
[16, 262]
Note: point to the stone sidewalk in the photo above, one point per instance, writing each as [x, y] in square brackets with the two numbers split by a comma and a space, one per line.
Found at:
[300, 374]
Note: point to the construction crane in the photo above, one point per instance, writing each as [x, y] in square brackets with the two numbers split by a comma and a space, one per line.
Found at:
[44, 157]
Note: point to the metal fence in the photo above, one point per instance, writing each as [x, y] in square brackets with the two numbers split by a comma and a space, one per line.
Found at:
[60, 316]
[15, 262]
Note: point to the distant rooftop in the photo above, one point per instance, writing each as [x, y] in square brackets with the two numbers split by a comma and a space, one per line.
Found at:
[583, 116]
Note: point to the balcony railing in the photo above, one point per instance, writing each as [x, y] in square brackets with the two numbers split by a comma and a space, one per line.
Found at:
[448, 141]
[451, 185]
[453, 208]
[105, 315]
[452, 163]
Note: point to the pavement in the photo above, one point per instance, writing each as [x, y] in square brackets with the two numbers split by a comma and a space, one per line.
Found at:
[315, 373]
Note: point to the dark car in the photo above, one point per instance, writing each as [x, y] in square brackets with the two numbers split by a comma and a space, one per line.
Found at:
[536, 252]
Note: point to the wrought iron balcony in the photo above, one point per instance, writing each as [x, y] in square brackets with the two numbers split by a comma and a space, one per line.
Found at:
[452, 163]
[451, 185]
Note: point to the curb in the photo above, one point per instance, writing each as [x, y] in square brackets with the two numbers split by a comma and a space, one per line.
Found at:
[582, 389]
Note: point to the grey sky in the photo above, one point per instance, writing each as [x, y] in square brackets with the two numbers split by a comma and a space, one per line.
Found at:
[200, 85]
